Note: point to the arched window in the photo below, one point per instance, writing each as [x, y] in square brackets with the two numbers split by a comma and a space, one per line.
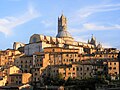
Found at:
[34, 40]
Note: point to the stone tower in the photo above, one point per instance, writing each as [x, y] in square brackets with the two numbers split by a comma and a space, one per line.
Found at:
[62, 23]
[62, 29]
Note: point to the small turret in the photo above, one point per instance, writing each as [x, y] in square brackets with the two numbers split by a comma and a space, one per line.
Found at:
[93, 41]
[88, 41]
[99, 46]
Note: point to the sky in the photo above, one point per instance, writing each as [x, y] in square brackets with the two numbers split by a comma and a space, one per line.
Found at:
[20, 19]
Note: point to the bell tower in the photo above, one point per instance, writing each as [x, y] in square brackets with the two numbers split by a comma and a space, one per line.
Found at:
[62, 23]
[62, 29]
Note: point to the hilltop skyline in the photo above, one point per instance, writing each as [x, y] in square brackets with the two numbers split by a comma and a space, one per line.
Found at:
[20, 19]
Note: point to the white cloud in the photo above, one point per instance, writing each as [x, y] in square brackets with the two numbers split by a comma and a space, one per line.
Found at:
[91, 26]
[76, 30]
[7, 24]
[107, 45]
[47, 23]
[84, 13]
[82, 38]
[80, 18]
[99, 8]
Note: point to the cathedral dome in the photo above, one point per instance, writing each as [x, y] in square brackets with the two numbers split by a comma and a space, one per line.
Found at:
[64, 34]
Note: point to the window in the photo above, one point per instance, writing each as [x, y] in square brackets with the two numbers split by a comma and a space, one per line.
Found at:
[73, 73]
[81, 69]
[37, 60]
[25, 71]
[53, 50]
[34, 40]
[40, 60]
[38, 79]
[12, 54]
[114, 63]
[110, 67]
[35, 73]
[77, 69]
[34, 79]
[71, 60]
[25, 61]
[110, 63]
[87, 68]
[73, 68]
[19, 82]
[116, 73]
[21, 61]
[41, 65]
[12, 80]
[16, 77]
[114, 68]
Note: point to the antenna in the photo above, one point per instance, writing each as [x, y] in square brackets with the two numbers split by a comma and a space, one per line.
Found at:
[62, 13]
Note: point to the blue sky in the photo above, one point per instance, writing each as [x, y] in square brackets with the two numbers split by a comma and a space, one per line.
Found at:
[19, 19]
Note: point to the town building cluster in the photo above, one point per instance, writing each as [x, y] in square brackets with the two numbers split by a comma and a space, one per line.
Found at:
[46, 56]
